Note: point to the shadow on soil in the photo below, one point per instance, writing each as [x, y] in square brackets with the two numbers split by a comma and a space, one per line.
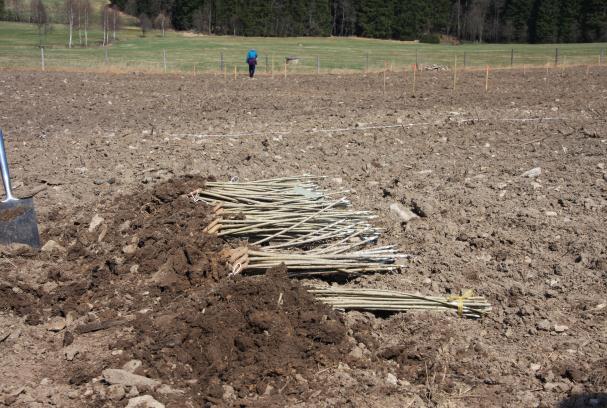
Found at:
[594, 400]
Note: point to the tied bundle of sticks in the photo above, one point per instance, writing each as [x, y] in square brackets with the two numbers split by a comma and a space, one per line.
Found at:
[311, 264]
[466, 305]
[286, 213]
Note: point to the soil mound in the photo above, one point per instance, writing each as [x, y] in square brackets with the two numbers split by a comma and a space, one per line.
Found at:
[142, 271]
[254, 335]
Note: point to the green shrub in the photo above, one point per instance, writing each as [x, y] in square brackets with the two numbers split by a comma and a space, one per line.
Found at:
[430, 39]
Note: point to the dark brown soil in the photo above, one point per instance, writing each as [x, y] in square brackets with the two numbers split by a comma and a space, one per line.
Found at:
[106, 145]
[255, 333]
[10, 214]
[199, 330]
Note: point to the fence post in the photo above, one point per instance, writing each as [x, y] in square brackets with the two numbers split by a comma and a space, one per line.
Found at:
[602, 56]
[416, 59]
[317, 65]
[511, 57]
[267, 67]
[106, 56]
[221, 61]
[164, 59]
[556, 57]
[465, 60]
[42, 57]
[367, 63]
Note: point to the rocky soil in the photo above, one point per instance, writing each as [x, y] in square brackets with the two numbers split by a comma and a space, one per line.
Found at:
[129, 304]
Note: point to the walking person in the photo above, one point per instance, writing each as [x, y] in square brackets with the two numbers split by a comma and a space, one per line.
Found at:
[252, 61]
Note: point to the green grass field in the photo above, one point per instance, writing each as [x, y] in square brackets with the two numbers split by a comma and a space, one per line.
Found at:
[19, 48]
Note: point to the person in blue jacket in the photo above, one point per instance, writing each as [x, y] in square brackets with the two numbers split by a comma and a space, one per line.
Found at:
[252, 61]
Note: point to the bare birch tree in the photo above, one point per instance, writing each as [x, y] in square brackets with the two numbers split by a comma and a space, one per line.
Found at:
[40, 18]
[70, 11]
[105, 18]
[79, 20]
[162, 21]
[86, 11]
[145, 24]
[116, 21]
[475, 20]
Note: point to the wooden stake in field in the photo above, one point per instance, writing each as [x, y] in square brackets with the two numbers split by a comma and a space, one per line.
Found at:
[486, 78]
[384, 76]
[524, 70]
[414, 75]
[587, 69]
[272, 66]
[235, 71]
[225, 72]
[285, 69]
[164, 59]
[42, 57]
[454, 72]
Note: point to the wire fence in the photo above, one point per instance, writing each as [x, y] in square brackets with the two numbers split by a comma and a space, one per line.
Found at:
[230, 62]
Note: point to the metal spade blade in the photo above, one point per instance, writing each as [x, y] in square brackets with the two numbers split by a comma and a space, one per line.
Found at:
[17, 216]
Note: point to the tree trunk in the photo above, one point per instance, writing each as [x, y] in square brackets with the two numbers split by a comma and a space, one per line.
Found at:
[210, 31]
[71, 23]
[86, 22]
[162, 25]
[79, 27]
[114, 31]
[459, 10]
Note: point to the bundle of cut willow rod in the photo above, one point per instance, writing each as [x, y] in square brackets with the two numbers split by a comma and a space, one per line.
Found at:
[466, 305]
[306, 264]
[286, 213]
[285, 191]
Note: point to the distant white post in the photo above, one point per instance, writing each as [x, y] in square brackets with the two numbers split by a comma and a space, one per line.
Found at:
[164, 59]
[42, 57]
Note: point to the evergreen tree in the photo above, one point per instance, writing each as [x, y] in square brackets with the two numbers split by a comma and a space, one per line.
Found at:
[473, 20]
[517, 13]
[569, 21]
[545, 21]
[375, 18]
[594, 20]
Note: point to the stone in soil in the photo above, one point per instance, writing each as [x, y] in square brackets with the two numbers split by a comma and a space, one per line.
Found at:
[123, 377]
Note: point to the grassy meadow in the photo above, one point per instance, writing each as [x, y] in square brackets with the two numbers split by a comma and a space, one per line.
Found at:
[19, 48]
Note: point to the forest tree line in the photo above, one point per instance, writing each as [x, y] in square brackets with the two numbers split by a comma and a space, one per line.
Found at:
[533, 21]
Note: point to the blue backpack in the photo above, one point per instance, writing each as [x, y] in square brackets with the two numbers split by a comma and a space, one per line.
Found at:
[251, 54]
